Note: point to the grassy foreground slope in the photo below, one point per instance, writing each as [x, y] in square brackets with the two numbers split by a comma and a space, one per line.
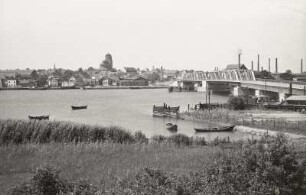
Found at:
[173, 165]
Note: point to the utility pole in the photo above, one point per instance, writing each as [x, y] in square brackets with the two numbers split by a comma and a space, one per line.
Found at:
[252, 66]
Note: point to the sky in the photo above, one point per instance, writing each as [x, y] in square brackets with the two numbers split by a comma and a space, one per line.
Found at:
[175, 34]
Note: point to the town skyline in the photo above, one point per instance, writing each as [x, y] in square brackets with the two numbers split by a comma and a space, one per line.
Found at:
[177, 35]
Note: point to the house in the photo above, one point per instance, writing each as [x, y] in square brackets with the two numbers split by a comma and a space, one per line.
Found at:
[109, 81]
[69, 83]
[296, 100]
[300, 77]
[235, 67]
[130, 71]
[134, 81]
[53, 81]
[11, 82]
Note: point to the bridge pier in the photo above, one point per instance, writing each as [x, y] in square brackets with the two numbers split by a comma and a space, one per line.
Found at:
[238, 91]
[281, 97]
[202, 86]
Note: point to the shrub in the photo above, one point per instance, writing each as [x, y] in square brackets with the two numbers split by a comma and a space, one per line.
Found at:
[269, 166]
[180, 140]
[199, 141]
[159, 138]
[44, 181]
[140, 137]
[236, 103]
[82, 187]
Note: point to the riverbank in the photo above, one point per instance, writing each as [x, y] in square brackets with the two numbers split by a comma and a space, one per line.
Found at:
[258, 120]
[86, 88]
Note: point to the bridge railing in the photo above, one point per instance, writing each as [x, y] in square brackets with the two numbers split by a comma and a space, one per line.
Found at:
[230, 75]
[282, 83]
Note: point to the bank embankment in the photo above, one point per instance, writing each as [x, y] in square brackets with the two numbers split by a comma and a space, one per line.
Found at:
[259, 120]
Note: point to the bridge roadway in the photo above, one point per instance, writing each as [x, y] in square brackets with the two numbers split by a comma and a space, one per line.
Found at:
[245, 79]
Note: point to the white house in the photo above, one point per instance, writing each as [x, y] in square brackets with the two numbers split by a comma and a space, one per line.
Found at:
[69, 83]
[53, 81]
[11, 83]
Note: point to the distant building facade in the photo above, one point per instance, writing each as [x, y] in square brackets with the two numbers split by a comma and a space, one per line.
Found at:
[134, 81]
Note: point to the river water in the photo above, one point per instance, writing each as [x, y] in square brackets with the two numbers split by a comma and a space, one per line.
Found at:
[131, 109]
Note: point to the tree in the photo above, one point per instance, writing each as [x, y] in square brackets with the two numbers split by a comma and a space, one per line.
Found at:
[34, 75]
[286, 76]
[153, 77]
[236, 103]
[68, 74]
[42, 80]
[289, 71]
[91, 68]
[264, 75]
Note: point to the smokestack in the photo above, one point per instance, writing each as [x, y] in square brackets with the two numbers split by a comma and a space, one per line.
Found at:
[302, 65]
[276, 70]
[258, 63]
[269, 65]
[239, 55]
[252, 66]
[261, 68]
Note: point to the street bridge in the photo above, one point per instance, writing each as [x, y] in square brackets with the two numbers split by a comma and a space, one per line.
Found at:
[238, 81]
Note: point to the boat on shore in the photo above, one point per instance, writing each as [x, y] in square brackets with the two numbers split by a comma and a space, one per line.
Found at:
[215, 129]
[78, 107]
[42, 117]
[171, 127]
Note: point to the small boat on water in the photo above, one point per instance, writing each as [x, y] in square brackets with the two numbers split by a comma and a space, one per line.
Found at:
[78, 107]
[171, 127]
[42, 117]
[215, 129]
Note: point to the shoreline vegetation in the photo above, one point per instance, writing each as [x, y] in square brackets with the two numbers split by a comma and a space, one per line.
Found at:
[48, 157]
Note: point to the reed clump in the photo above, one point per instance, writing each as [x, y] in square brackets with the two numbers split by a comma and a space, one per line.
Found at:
[20, 132]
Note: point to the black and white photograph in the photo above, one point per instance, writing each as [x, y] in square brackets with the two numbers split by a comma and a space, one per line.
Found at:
[141, 97]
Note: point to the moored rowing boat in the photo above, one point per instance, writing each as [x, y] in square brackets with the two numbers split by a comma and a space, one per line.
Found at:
[42, 117]
[78, 107]
[215, 129]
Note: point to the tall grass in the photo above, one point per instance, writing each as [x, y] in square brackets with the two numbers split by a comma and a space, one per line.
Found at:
[20, 132]
[266, 166]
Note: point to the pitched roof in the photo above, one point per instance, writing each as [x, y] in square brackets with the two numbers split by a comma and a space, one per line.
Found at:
[133, 78]
[297, 98]
[130, 69]
[112, 77]
[235, 66]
